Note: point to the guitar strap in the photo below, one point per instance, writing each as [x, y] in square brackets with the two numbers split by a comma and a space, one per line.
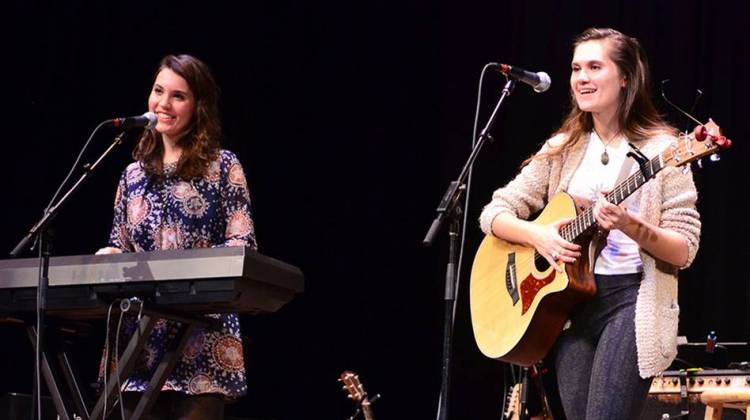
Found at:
[627, 166]
[599, 240]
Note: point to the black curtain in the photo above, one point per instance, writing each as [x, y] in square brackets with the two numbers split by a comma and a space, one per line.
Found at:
[350, 119]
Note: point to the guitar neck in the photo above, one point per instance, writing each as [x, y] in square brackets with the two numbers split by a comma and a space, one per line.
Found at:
[585, 221]
[367, 410]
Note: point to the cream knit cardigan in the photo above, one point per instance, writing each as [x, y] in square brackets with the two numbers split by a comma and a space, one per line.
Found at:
[667, 201]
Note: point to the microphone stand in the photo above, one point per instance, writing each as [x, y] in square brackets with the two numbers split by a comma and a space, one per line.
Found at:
[450, 208]
[39, 234]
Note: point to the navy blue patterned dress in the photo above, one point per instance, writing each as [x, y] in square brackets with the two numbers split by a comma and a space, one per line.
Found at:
[178, 214]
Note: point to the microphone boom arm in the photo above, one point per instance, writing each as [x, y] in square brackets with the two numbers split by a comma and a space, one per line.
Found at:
[53, 209]
[452, 195]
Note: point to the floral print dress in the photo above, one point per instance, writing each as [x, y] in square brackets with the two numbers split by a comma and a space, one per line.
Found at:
[174, 213]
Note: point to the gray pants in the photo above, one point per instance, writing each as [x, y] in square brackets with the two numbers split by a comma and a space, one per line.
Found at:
[596, 360]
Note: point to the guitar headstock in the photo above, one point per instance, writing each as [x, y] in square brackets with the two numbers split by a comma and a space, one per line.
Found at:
[353, 386]
[513, 403]
[357, 393]
[703, 141]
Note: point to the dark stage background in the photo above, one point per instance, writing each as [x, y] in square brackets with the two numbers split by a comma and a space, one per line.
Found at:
[351, 118]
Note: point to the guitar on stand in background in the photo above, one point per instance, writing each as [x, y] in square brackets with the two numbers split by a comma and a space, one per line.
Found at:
[513, 403]
[357, 394]
[517, 402]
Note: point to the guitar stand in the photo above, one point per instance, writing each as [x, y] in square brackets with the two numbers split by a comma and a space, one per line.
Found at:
[358, 411]
[536, 375]
[70, 401]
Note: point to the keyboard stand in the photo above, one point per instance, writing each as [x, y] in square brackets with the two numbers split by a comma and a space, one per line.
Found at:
[196, 281]
[69, 402]
[126, 363]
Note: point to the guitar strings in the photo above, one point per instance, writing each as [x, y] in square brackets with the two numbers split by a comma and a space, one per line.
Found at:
[585, 220]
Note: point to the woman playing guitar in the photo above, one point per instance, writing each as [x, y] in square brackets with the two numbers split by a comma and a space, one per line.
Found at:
[625, 334]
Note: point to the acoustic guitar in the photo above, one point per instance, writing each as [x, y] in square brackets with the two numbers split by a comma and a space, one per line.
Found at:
[513, 403]
[519, 303]
[357, 393]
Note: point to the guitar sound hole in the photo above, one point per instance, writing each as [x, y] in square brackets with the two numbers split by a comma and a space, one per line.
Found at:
[540, 262]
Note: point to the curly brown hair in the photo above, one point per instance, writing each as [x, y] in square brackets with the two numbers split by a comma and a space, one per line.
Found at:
[637, 116]
[201, 144]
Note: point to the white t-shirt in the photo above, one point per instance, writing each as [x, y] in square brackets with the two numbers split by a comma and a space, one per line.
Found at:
[620, 255]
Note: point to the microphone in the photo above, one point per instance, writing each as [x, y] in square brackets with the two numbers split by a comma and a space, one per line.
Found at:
[147, 120]
[539, 81]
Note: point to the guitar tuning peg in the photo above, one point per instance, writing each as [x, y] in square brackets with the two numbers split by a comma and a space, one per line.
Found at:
[699, 162]
[724, 142]
[685, 169]
[715, 157]
[700, 132]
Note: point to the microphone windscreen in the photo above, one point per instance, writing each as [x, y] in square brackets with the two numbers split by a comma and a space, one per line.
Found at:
[151, 119]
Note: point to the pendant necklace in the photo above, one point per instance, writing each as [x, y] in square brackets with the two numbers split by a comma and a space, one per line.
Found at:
[605, 155]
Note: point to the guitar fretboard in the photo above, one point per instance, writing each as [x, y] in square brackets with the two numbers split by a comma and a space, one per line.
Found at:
[585, 221]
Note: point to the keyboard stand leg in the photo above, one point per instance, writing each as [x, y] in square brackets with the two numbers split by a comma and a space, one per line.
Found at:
[125, 364]
[67, 371]
[50, 379]
[188, 324]
[167, 363]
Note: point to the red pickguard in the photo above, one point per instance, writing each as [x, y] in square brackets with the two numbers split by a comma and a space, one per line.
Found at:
[530, 286]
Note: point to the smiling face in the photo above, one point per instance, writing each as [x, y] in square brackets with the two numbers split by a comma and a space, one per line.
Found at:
[595, 80]
[173, 102]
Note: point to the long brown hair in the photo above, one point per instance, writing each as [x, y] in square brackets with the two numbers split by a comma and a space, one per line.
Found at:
[201, 144]
[637, 116]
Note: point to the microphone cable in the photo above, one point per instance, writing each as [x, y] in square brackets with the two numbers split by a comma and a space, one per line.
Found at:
[124, 307]
[105, 368]
[462, 244]
[75, 165]
[80, 154]
[462, 241]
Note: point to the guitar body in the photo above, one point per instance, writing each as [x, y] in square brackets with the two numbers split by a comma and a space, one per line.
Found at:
[519, 306]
